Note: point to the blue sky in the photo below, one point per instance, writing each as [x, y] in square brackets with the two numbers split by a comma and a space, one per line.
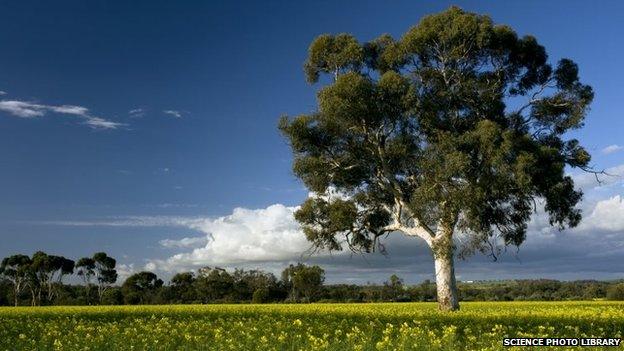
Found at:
[129, 126]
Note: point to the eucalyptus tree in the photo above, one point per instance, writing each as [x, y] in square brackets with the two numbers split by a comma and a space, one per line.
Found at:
[47, 272]
[105, 272]
[140, 288]
[183, 287]
[305, 282]
[213, 284]
[16, 270]
[85, 269]
[450, 134]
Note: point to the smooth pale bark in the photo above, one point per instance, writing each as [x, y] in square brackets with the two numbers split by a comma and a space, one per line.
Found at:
[441, 244]
[443, 252]
[445, 282]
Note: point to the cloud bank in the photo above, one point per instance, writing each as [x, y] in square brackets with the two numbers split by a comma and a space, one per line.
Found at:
[269, 238]
[247, 235]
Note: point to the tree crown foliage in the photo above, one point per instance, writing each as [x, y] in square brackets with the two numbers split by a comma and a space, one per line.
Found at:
[460, 123]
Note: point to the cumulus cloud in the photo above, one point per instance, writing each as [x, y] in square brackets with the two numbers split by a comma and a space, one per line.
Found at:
[24, 109]
[607, 215]
[124, 271]
[268, 234]
[246, 235]
[184, 242]
[269, 238]
[611, 149]
[174, 113]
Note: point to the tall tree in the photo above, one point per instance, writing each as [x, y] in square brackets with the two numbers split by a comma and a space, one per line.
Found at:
[183, 286]
[105, 273]
[393, 288]
[305, 282]
[16, 269]
[213, 284]
[48, 272]
[458, 127]
[85, 269]
[140, 287]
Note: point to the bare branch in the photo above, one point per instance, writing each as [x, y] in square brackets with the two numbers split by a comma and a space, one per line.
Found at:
[597, 173]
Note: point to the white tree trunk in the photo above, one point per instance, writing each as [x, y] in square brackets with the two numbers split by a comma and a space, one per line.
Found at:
[441, 244]
[445, 281]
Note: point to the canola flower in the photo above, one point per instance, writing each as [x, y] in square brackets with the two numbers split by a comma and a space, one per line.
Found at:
[382, 326]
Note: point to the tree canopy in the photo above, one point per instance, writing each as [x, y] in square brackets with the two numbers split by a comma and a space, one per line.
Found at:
[459, 126]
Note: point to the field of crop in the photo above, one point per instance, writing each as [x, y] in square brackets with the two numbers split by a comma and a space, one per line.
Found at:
[405, 326]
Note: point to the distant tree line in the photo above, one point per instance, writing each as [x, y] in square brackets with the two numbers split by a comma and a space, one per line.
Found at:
[39, 280]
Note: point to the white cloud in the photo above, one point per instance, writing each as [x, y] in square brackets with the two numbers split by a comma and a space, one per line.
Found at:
[3, 92]
[124, 271]
[137, 113]
[185, 242]
[70, 110]
[22, 109]
[611, 149]
[174, 113]
[270, 238]
[268, 234]
[25, 109]
[100, 123]
[607, 215]
[245, 236]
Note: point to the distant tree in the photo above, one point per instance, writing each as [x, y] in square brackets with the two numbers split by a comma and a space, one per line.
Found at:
[427, 290]
[260, 295]
[393, 288]
[246, 283]
[370, 293]
[616, 292]
[344, 292]
[112, 296]
[5, 291]
[16, 269]
[213, 284]
[85, 269]
[305, 282]
[458, 127]
[105, 272]
[592, 290]
[49, 271]
[183, 287]
[140, 288]
[33, 284]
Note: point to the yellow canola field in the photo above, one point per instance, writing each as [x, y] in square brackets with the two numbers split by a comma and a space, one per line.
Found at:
[383, 326]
